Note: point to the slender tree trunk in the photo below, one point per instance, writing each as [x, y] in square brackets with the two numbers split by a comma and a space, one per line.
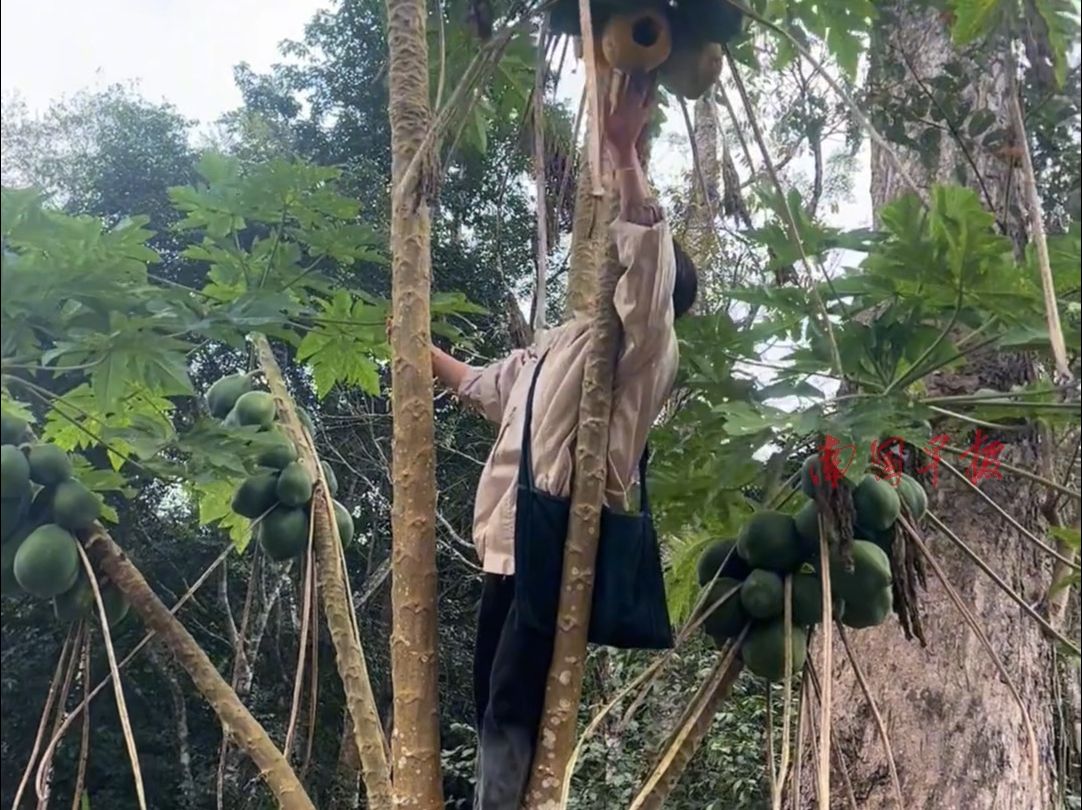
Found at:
[180, 719]
[957, 733]
[345, 793]
[595, 268]
[341, 621]
[588, 235]
[245, 729]
[415, 740]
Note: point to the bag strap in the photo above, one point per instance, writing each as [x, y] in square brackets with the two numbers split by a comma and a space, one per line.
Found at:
[525, 459]
[525, 463]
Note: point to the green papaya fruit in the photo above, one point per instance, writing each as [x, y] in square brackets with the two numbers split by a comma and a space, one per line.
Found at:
[331, 478]
[914, 497]
[76, 602]
[254, 409]
[74, 506]
[721, 554]
[279, 452]
[283, 533]
[49, 465]
[306, 420]
[12, 512]
[116, 604]
[870, 574]
[345, 523]
[763, 594]
[47, 562]
[806, 521]
[224, 393]
[14, 472]
[876, 502]
[13, 429]
[692, 67]
[294, 485]
[769, 540]
[716, 20]
[811, 475]
[763, 650]
[728, 618]
[869, 611]
[807, 599]
[256, 495]
[9, 586]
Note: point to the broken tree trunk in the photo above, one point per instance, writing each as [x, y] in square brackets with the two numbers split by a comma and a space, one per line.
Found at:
[245, 730]
[330, 567]
[415, 740]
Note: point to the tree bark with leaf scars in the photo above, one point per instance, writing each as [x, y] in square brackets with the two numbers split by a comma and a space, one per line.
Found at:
[957, 733]
[595, 268]
[330, 568]
[245, 729]
[415, 739]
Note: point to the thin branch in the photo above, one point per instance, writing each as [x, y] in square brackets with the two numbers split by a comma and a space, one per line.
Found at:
[826, 730]
[118, 689]
[302, 643]
[1001, 584]
[84, 736]
[1036, 224]
[1008, 516]
[813, 292]
[854, 108]
[967, 615]
[1032, 476]
[540, 299]
[46, 713]
[895, 783]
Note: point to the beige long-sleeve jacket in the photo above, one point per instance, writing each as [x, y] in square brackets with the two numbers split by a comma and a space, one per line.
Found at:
[645, 372]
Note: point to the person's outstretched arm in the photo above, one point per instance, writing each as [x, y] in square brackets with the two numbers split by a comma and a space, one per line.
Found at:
[449, 371]
[623, 127]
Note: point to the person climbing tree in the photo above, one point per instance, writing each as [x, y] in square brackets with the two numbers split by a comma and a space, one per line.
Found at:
[522, 507]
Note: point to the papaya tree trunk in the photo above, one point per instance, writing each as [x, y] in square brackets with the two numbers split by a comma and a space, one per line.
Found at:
[588, 233]
[957, 733]
[242, 727]
[415, 739]
[563, 690]
[330, 568]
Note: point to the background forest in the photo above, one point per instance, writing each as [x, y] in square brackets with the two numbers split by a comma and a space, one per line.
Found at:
[928, 319]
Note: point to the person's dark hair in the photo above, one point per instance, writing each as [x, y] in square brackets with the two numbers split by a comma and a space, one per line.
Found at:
[687, 281]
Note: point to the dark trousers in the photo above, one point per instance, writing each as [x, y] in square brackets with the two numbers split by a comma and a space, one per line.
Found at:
[511, 664]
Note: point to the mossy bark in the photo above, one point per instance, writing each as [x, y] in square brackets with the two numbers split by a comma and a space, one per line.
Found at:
[245, 730]
[415, 740]
[330, 568]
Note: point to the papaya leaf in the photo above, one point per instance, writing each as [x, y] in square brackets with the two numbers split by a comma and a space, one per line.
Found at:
[975, 19]
[1068, 535]
[214, 500]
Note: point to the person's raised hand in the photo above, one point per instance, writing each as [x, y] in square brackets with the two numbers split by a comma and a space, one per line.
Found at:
[626, 121]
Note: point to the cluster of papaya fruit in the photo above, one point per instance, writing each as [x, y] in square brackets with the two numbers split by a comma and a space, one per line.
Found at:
[682, 40]
[746, 577]
[43, 507]
[278, 496]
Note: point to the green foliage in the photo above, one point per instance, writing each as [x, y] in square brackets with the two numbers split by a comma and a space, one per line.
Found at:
[978, 19]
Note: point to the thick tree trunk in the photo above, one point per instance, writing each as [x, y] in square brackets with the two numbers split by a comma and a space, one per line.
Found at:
[415, 740]
[957, 733]
[341, 621]
[245, 729]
